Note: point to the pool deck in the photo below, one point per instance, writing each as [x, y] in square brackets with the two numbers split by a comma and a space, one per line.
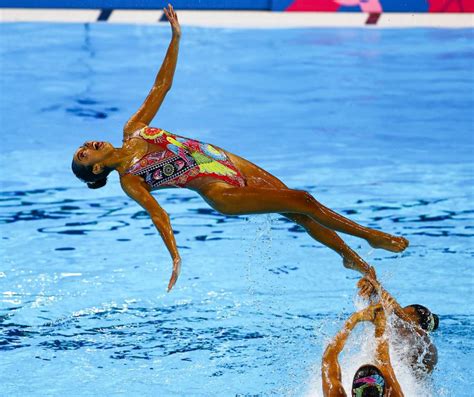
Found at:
[244, 19]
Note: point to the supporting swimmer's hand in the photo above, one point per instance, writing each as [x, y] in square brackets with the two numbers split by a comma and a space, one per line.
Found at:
[366, 289]
[371, 277]
[175, 273]
[173, 20]
[368, 285]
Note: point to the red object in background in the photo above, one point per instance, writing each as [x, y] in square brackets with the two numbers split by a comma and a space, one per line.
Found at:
[312, 5]
[334, 5]
[451, 6]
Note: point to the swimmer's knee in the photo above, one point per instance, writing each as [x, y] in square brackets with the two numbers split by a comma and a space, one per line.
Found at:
[308, 201]
[305, 196]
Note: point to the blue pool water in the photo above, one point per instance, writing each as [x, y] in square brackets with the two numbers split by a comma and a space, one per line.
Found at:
[377, 124]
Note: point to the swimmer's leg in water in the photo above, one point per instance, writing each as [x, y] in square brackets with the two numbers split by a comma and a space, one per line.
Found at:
[256, 200]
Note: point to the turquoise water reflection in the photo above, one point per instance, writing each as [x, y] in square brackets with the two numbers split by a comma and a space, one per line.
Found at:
[376, 124]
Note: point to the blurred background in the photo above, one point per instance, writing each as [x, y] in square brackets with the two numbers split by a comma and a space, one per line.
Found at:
[256, 13]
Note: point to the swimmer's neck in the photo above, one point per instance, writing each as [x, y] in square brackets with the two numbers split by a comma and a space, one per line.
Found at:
[119, 159]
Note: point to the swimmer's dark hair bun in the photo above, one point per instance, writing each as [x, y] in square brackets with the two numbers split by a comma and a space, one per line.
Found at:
[97, 184]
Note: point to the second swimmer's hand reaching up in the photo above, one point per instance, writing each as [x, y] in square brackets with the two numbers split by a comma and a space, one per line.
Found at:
[369, 285]
[173, 20]
[371, 289]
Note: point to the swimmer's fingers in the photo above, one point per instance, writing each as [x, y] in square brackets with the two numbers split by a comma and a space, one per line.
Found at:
[363, 283]
[366, 289]
[175, 273]
[173, 19]
[173, 279]
[371, 277]
[363, 286]
[168, 13]
[171, 14]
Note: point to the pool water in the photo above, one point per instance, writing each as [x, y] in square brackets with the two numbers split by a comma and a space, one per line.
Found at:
[377, 124]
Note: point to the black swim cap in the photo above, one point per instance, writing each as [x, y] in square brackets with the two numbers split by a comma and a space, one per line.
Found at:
[368, 382]
[428, 321]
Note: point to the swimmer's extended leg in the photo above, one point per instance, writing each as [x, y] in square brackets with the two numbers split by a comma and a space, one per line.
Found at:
[332, 240]
[256, 200]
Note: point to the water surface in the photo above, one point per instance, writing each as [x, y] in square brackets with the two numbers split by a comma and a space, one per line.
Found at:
[377, 124]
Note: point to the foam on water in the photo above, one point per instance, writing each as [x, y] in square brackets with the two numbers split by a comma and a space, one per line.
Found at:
[360, 350]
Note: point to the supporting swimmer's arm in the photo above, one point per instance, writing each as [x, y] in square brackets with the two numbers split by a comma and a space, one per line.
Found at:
[382, 356]
[330, 369]
[136, 189]
[163, 81]
[387, 300]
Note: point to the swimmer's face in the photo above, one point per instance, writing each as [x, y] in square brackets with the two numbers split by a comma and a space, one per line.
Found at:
[92, 152]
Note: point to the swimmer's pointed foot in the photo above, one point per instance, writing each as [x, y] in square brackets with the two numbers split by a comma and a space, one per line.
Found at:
[388, 242]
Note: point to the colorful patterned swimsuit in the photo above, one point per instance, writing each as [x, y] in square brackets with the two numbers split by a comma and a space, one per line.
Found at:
[181, 160]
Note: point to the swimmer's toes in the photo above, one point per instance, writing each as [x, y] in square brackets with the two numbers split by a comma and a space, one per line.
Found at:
[405, 244]
[390, 243]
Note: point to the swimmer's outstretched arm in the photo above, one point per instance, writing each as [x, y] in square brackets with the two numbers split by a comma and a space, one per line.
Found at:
[163, 81]
[382, 356]
[136, 189]
[330, 369]
[370, 287]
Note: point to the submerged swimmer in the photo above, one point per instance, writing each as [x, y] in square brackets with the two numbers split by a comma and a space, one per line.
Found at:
[152, 158]
[413, 328]
[370, 380]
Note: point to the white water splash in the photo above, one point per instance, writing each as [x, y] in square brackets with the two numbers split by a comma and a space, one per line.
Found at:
[359, 350]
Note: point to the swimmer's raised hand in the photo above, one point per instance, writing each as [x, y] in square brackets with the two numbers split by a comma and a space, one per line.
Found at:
[173, 20]
[366, 289]
[368, 285]
[147, 111]
[371, 277]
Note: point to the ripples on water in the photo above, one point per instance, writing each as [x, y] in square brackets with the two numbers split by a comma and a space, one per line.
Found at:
[43, 204]
[374, 123]
[137, 330]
